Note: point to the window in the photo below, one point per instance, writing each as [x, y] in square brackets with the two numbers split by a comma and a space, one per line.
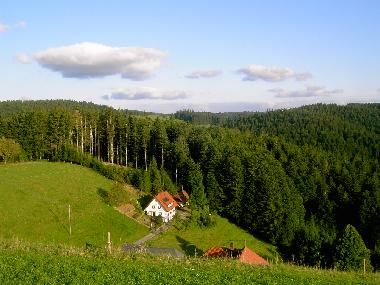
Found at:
[159, 207]
[153, 207]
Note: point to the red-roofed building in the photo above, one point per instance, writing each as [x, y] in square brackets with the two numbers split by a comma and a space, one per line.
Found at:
[182, 198]
[251, 257]
[162, 205]
[244, 255]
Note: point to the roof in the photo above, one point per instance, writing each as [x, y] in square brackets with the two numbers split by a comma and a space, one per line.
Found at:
[244, 255]
[172, 252]
[166, 200]
[131, 248]
[217, 251]
[182, 196]
[251, 257]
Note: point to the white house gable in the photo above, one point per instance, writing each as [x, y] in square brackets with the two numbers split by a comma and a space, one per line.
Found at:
[166, 211]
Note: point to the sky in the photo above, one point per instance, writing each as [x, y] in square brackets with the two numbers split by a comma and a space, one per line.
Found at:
[218, 56]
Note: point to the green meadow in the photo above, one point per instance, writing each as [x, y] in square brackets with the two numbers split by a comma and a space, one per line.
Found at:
[35, 199]
[31, 264]
[197, 240]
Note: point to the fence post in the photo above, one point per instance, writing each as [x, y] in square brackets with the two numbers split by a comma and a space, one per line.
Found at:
[70, 220]
[109, 246]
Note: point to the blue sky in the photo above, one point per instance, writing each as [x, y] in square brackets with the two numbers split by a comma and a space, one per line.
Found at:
[206, 55]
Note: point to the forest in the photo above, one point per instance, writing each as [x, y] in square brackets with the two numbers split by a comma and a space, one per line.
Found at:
[305, 179]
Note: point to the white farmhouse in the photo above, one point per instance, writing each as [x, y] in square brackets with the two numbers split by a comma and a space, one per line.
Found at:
[162, 205]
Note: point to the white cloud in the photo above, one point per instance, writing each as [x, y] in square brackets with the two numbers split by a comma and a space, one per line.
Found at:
[22, 24]
[145, 93]
[91, 60]
[303, 76]
[23, 58]
[272, 74]
[3, 28]
[309, 91]
[203, 74]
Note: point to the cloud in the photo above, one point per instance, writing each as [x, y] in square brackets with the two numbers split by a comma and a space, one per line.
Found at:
[23, 58]
[3, 28]
[303, 76]
[22, 24]
[272, 74]
[204, 74]
[92, 60]
[309, 91]
[145, 93]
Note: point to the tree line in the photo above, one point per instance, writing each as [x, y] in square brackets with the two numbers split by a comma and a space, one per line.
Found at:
[279, 180]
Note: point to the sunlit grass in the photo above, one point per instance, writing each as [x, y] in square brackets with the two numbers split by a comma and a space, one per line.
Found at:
[222, 234]
[34, 201]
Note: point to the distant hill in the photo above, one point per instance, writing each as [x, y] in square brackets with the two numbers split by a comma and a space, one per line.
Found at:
[353, 128]
[35, 201]
[9, 108]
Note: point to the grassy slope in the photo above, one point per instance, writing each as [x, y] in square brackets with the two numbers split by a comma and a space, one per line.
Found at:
[222, 234]
[34, 205]
[57, 266]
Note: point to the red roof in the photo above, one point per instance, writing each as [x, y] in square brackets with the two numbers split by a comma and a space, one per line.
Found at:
[244, 255]
[166, 200]
[181, 196]
[216, 251]
[250, 257]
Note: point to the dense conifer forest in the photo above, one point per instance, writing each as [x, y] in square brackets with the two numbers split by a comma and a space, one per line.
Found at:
[305, 179]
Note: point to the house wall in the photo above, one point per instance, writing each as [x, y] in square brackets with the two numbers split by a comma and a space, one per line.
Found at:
[155, 209]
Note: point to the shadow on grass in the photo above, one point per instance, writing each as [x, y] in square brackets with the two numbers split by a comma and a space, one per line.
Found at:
[189, 248]
[104, 195]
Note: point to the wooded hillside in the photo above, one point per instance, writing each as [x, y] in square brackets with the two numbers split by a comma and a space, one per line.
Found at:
[294, 177]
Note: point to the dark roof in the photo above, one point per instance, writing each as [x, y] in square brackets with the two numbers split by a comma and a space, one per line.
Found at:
[158, 251]
[132, 248]
[181, 197]
[172, 252]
